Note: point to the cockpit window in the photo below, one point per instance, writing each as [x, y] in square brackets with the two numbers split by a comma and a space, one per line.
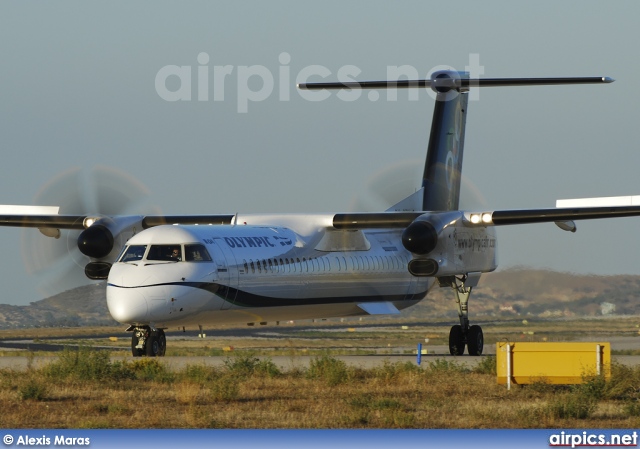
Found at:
[133, 253]
[196, 253]
[171, 253]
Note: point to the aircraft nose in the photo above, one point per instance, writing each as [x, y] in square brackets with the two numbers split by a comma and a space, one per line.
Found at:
[127, 305]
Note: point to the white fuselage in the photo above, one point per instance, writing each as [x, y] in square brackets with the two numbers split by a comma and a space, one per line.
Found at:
[298, 269]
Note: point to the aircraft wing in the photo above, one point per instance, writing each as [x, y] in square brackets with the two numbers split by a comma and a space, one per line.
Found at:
[44, 217]
[514, 217]
[489, 218]
[101, 237]
[32, 216]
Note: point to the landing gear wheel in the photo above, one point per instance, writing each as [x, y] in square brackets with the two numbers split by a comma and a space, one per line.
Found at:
[162, 343]
[152, 346]
[475, 340]
[134, 342]
[456, 340]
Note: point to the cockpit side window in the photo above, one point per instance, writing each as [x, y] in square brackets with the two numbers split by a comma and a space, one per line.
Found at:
[133, 253]
[171, 253]
[196, 253]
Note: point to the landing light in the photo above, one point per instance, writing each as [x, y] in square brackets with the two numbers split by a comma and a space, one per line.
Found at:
[89, 221]
[481, 218]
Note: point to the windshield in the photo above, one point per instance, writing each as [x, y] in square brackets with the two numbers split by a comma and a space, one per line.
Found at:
[171, 253]
[196, 253]
[133, 253]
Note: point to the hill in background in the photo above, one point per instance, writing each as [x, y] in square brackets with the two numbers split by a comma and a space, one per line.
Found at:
[511, 293]
[81, 306]
[542, 293]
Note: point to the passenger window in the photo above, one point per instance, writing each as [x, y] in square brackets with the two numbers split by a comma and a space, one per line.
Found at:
[133, 253]
[196, 253]
[170, 253]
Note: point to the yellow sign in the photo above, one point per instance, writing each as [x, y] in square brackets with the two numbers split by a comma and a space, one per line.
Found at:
[554, 363]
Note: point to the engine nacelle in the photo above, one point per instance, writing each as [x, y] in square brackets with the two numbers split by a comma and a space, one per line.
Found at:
[103, 239]
[96, 241]
[421, 237]
[423, 267]
[444, 244]
[97, 270]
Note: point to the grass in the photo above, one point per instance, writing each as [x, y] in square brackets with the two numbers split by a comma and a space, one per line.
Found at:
[83, 388]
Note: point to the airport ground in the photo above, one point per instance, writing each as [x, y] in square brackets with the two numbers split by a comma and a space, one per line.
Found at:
[360, 343]
[322, 375]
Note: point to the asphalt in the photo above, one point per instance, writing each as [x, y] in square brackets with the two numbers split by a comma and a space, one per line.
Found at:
[23, 359]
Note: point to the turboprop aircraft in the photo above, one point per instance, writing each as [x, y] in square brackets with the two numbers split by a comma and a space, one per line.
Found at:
[175, 271]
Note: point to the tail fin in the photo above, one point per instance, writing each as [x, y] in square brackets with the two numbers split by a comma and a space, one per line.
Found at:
[443, 167]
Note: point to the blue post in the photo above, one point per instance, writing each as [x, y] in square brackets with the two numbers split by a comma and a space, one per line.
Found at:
[419, 353]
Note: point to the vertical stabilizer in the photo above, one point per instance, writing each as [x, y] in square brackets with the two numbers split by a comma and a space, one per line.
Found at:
[442, 171]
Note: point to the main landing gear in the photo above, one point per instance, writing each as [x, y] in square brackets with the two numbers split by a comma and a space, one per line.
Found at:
[462, 334]
[148, 341]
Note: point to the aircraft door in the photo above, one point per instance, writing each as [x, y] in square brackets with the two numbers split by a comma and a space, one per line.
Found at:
[227, 273]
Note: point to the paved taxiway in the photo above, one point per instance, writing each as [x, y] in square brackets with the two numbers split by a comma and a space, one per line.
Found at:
[21, 360]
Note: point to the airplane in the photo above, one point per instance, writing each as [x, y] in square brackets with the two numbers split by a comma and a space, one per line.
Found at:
[173, 271]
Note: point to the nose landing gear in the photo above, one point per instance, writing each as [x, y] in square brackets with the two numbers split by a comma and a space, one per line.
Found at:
[148, 341]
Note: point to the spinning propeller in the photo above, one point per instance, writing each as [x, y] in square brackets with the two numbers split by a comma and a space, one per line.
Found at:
[101, 192]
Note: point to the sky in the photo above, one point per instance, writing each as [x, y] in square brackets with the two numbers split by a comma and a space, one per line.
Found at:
[106, 84]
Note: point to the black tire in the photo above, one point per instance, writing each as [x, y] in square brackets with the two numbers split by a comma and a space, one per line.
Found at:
[152, 346]
[456, 340]
[135, 351]
[475, 340]
[162, 343]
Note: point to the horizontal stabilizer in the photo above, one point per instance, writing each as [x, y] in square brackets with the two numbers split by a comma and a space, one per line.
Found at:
[445, 83]
[379, 308]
